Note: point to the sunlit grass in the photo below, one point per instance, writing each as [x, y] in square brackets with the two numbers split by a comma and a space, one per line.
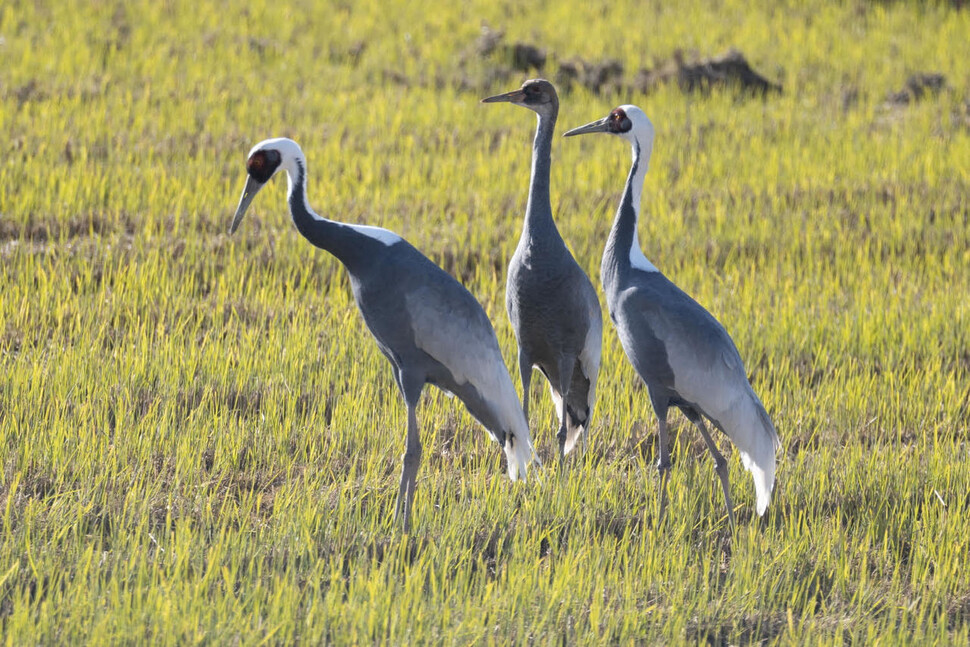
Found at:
[201, 442]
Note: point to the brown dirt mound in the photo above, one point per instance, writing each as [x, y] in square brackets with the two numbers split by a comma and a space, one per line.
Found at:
[525, 57]
[488, 41]
[597, 77]
[728, 70]
[918, 86]
[521, 57]
[606, 76]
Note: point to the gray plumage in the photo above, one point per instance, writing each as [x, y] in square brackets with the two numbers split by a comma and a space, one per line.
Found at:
[430, 328]
[552, 304]
[682, 353]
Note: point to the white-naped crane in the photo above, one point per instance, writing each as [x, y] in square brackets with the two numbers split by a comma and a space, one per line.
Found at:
[430, 328]
[552, 304]
[682, 353]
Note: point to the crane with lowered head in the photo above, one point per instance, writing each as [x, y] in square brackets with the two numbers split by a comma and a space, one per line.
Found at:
[430, 328]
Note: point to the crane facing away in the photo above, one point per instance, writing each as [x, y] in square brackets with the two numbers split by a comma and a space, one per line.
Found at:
[430, 328]
[552, 304]
[682, 353]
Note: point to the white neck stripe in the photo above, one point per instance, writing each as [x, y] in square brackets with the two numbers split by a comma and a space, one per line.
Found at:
[381, 235]
[637, 259]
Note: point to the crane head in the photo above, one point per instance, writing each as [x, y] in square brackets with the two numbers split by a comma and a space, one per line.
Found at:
[536, 94]
[629, 122]
[265, 159]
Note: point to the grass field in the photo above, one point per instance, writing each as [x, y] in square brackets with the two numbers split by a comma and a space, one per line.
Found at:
[201, 443]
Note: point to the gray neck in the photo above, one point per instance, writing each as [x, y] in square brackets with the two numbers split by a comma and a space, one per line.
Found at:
[351, 248]
[539, 226]
[623, 236]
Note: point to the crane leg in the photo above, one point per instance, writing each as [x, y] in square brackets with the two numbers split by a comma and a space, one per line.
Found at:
[525, 370]
[663, 464]
[565, 381]
[720, 465]
[409, 471]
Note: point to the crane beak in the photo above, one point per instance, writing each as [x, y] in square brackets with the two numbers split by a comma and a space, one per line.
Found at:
[598, 126]
[249, 192]
[515, 96]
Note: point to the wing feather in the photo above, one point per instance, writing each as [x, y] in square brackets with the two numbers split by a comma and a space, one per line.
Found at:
[450, 326]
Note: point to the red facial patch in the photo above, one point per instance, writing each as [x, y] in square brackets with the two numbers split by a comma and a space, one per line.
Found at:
[256, 162]
[619, 122]
[262, 164]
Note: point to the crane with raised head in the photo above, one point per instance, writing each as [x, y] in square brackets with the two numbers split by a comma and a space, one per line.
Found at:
[430, 328]
[683, 354]
[552, 304]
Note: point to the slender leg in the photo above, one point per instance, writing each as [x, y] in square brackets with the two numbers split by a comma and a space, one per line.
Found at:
[565, 380]
[525, 370]
[412, 458]
[663, 463]
[720, 465]
[563, 431]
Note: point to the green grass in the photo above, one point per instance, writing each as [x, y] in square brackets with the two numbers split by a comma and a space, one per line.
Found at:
[201, 443]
